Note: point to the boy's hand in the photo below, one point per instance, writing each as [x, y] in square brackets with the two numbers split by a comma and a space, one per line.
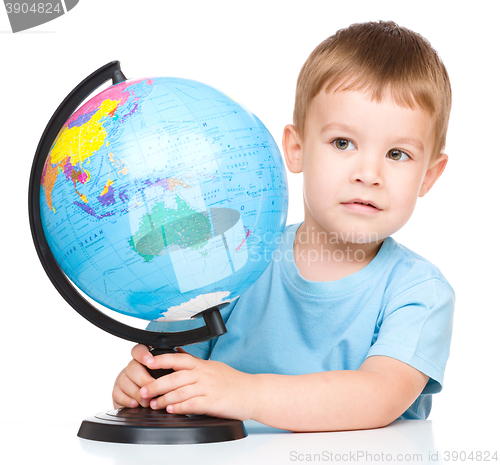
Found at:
[131, 379]
[201, 387]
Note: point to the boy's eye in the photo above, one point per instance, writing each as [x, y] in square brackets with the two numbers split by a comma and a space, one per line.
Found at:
[397, 155]
[343, 144]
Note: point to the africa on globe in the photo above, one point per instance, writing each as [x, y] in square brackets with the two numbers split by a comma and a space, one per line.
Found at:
[162, 197]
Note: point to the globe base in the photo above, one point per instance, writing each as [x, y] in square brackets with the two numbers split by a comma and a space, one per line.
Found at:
[147, 426]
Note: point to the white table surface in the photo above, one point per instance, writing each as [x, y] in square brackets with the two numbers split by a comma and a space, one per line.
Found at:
[57, 443]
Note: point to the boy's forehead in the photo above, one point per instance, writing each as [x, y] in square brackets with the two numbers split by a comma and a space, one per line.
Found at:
[371, 91]
[348, 102]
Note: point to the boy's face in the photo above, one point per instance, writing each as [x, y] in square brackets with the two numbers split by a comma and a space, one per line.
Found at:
[355, 149]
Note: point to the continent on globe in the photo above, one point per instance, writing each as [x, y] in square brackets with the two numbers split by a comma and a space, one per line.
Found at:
[194, 306]
[162, 227]
[78, 140]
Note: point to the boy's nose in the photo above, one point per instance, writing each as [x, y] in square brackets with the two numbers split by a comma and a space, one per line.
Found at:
[368, 171]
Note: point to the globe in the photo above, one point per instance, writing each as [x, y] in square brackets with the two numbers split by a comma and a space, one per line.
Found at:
[163, 197]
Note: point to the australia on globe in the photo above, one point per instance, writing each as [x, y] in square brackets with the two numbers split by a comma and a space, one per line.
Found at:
[163, 197]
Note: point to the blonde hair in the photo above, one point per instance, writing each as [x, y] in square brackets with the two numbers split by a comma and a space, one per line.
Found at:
[378, 57]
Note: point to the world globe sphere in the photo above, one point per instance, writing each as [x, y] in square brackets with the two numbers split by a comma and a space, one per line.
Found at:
[163, 197]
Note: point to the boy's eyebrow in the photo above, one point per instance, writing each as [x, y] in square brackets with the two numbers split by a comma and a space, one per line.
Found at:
[417, 143]
[338, 126]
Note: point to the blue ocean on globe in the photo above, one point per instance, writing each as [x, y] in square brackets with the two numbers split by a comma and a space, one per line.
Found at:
[162, 197]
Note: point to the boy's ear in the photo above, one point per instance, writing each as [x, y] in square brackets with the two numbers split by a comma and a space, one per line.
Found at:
[292, 149]
[434, 170]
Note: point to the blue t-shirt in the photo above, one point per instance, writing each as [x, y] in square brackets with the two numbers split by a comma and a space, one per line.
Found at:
[399, 305]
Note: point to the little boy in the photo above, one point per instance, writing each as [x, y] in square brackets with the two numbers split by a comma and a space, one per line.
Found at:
[346, 328]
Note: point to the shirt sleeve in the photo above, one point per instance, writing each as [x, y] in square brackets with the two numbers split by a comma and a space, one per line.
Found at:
[416, 329]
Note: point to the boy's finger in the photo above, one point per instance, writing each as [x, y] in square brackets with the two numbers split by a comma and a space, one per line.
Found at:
[120, 399]
[168, 383]
[138, 373]
[130, 389]
[179, 361]
[183, 394]
[141, 353]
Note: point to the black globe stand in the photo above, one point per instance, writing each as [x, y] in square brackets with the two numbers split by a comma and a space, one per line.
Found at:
[147, 426]
[144, 425]
[139, 425]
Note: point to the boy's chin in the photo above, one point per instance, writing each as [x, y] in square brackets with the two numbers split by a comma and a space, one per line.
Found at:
[358, 237]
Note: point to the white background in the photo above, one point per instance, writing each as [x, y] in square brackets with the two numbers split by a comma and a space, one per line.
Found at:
[55, 363]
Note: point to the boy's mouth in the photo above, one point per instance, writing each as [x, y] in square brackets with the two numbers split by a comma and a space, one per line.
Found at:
[362, 205]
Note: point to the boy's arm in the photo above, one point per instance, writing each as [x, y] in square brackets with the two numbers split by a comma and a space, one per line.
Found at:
[373, 396]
